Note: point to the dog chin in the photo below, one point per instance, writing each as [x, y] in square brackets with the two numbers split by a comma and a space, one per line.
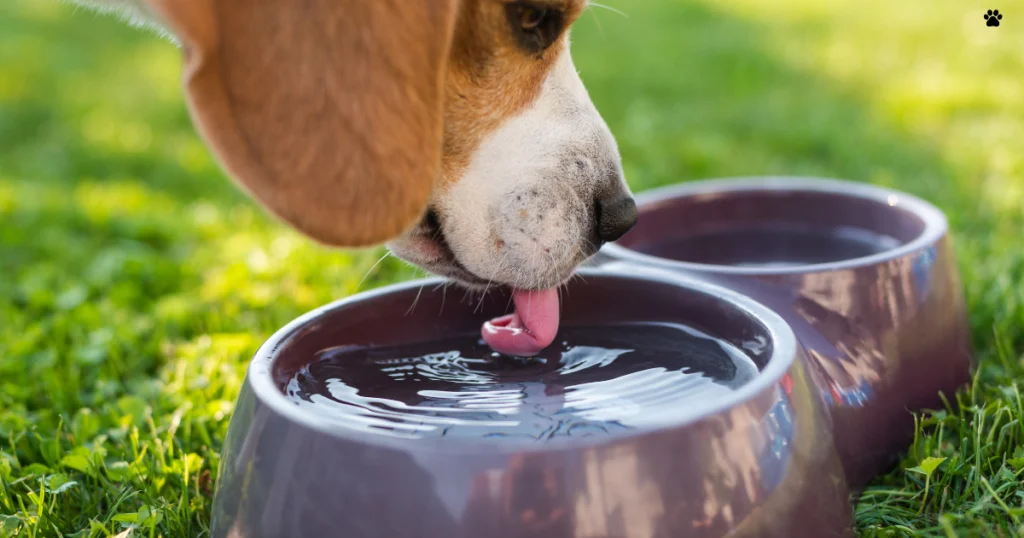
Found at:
[430, 252]
[427, 247]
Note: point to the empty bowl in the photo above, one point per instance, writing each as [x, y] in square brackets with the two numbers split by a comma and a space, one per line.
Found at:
[667, 407]
[865, 276]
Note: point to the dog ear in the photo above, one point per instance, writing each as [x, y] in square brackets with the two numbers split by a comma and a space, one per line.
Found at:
[328, 112]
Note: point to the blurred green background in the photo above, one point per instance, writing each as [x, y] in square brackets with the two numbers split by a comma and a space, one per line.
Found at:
[136, 281]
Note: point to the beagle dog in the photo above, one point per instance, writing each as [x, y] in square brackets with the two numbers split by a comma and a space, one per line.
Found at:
[456, 132]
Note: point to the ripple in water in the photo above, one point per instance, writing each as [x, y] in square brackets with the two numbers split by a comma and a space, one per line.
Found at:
[597, 380]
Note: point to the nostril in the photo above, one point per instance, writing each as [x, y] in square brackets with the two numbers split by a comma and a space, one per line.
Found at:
[615, 217]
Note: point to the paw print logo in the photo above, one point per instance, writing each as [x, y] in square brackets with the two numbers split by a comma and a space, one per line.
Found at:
[993, 17]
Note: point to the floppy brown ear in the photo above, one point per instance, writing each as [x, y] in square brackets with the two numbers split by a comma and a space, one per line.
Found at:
[329, 112]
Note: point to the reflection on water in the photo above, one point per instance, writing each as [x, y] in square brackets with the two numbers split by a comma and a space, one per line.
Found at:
[597, 380]
[773, 245]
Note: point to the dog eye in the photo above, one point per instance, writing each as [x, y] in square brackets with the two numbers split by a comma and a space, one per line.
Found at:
[530, 17]
[535, 27]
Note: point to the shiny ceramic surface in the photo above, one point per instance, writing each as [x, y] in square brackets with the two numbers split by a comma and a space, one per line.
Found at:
[759, 463]
[886, 332]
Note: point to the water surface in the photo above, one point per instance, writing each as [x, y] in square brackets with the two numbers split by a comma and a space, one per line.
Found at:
[596, 380]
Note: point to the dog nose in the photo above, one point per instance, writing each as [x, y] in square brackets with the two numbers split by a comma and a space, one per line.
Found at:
[616, 215]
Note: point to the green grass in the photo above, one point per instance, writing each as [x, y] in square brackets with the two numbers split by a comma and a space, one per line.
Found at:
[135, 281]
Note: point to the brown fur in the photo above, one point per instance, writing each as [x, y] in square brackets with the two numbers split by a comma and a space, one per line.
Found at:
[341, 117]
[489, 77]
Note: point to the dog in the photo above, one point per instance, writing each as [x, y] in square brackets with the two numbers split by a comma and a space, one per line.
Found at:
[456, 132]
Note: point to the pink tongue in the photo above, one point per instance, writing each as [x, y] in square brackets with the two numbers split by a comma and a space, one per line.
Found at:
[529, 329]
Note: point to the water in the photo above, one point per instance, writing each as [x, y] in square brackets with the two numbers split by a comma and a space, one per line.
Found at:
[773, 245]
[597, 380]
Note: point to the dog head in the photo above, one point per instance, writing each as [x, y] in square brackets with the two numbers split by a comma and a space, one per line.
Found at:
[456, 131]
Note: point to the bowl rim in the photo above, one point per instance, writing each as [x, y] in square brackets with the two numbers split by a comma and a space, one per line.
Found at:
[259, 375]
[935, 223]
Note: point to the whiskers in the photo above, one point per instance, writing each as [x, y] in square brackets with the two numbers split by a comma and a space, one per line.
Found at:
[507, 276]
[609, 8]
[370, 270]
[563, 288]
[419, 293]
[500, 268]
[597, 21]
[444, 293]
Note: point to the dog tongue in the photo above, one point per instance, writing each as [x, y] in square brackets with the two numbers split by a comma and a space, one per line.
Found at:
[529, 329]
